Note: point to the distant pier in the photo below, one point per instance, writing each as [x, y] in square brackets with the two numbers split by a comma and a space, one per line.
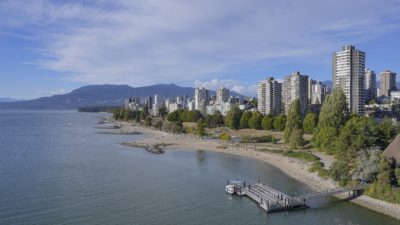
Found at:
[273, 200]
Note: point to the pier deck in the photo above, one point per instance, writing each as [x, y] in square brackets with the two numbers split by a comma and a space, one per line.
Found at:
[273, 200]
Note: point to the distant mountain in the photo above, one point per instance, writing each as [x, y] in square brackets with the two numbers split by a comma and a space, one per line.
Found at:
[10, 100]
[328, 84]
[101, 95]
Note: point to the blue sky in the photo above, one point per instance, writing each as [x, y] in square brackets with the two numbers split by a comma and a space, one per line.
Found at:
[52, 47]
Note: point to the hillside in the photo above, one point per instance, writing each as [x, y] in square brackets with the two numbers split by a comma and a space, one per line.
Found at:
[100, 95]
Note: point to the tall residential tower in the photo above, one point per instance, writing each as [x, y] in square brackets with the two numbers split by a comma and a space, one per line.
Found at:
[295, 86]
[388, 82]
[222, 95]
[269, 96]
[201, 99]
[370, 85]
[348, 73]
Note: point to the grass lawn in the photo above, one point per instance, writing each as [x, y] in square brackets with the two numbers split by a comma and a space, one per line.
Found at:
[245, 132]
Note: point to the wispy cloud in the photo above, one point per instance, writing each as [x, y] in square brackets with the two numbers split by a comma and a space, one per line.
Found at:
[147, 41]
[235, 85]
[61, 91]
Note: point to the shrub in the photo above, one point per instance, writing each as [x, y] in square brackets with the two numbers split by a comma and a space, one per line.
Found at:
[251, 139]
[225, 137]
[158, 124]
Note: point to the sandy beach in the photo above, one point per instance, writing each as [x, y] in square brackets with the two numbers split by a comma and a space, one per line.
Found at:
[294, 168]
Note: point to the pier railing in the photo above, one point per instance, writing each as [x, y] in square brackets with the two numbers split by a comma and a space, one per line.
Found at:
[273, 200]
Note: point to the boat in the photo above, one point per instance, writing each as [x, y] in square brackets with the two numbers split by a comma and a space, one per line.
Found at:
[230, 189]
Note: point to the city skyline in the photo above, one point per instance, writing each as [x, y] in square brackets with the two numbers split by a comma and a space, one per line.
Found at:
[52, 47]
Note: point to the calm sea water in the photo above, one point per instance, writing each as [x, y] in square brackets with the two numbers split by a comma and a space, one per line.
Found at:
[51, 173]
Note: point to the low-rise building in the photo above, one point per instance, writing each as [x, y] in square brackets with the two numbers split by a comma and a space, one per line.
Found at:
[223, 108]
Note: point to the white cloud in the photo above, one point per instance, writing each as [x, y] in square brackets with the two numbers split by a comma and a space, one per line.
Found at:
[61, 91]
[146, 41]
[235, 85]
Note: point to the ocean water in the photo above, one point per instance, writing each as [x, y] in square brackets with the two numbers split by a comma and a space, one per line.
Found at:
[53, 173]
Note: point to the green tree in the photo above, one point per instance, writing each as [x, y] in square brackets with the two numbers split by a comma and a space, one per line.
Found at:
[145, 112]
[217, 119]
[326, 139]
[280, 122]
[125, 114]
[148, 121]
[232, 118]
[397, 174]
[197, 115]
[293, 120]
[176, 127]
[116, 113]
[159, 125]
[386, 132]
[173, 116]
[207, 121]
[267, 122]
[339, 171]
[137, 116]
[332, 117]
[255, 121]
[310, 122]
[296, 139]
[273, 140]
[200, 127]
[358, 133]
[244, 119]
[162, 111]
[334, 110]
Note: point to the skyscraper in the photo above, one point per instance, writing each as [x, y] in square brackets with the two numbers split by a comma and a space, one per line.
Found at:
[148, 101]
[156, 105]
[295, 86]
[316, 92]
[388, 82]
[370, 85]
[201, 98]
[348, 73]
[269, 96]
[222, 95]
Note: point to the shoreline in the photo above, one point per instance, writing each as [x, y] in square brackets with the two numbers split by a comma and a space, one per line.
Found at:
[295, 168]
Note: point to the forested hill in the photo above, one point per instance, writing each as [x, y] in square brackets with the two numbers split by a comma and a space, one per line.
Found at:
[100, 95]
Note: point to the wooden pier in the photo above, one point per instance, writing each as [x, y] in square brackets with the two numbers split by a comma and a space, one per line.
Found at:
[273, 200]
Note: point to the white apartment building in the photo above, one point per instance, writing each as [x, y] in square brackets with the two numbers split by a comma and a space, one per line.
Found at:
[222, 95]
[201, 97]
[348, 74]
[269, 96]
[295, 86]
[223, 108]
[156, 106]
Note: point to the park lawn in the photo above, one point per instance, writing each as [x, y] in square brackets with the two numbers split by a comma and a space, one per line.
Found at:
[245, 132]
[256, 133]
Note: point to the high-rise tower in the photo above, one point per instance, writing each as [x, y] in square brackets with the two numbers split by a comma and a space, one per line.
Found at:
[348, 73]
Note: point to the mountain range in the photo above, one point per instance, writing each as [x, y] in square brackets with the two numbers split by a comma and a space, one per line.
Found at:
[101, 95]
[10, 100]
